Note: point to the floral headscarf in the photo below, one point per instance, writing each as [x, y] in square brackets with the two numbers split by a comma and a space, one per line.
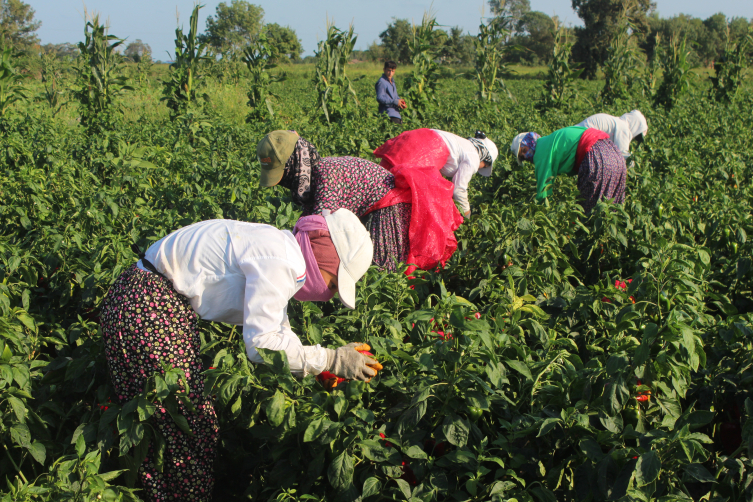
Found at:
[530, 140]
[298, 172]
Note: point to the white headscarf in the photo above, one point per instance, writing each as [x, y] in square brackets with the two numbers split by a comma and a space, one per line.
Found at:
[636, 123]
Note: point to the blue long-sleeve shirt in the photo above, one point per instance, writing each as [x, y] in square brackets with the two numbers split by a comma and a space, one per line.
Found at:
[386, 96]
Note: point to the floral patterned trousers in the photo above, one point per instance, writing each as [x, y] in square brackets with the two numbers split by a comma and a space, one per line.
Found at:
[145, 323]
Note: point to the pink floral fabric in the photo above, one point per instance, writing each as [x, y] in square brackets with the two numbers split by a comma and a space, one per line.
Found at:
[357, 184]
[145, 322]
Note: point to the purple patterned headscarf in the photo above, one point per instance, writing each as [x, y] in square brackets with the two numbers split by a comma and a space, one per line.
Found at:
[530, 140]
[299, 170]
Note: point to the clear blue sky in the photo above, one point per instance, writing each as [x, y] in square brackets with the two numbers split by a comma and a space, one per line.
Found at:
[154, 21]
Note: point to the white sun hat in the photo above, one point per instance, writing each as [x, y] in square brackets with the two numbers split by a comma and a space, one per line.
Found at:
[489, 144]
[515, 146]
[354, 248]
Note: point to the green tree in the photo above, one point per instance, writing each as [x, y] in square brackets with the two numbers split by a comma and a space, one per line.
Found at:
[287, 45]
[233, 27]
[65, 51]
[138, 50]
[17, 24]
[512, 10]
[602, 24]
[397, 39]
[534, 39]
[712, 43]
[456, 47]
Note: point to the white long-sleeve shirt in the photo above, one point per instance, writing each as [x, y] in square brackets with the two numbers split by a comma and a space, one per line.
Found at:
[621, 130]
[461, 165]
[243, 274]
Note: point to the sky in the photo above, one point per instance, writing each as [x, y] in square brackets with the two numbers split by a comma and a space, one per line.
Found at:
[154, 21]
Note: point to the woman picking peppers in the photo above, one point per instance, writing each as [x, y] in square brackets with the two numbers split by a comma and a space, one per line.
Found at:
[410, 216]
[587, 153]
[455, 157]
[233, 272]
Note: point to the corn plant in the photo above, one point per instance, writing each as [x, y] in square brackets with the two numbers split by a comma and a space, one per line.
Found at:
[11, 90]
[259, 58]
[52, 71]
[144, 69]
[181, 90]
[676, 73]
[730, 69]
[622, 64]
[489, 56]
[421, 92]
[558, 85]
[335, 93]
[99, 79]
[650, 76]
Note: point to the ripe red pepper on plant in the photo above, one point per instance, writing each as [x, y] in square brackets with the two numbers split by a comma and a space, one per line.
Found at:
[643, 396]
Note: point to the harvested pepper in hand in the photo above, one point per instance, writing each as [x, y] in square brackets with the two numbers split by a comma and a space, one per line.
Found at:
[329, 380]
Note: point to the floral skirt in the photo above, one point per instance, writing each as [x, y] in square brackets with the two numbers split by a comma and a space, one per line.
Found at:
[602, 174]
[389, 228]
[145, 323]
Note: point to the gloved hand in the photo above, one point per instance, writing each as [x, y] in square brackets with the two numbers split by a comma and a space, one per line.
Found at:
[346, 362]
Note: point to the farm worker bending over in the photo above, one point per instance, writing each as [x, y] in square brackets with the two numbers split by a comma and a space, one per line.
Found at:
[589, 153]
[386, 94]
[621, 130]
[411, 216]
[455, 157]
[233, 272]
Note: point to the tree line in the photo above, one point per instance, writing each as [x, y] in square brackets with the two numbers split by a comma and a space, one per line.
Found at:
[530, 36]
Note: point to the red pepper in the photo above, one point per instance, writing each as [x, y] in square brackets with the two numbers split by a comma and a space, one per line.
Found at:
[408, 474]
[443, 335]
[386, 443]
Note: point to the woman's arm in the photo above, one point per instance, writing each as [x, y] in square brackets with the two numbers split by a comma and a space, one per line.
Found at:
[270, 284]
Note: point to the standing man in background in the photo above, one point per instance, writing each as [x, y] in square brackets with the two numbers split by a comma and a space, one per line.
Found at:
[386, 94]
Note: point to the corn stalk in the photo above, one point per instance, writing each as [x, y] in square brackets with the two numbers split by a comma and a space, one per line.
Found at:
[676, 73]
[730, 69]
[421, 91]
[11, 90]
[99, 78]
[181, 90]
[334, 89]
[623, 62]
[489, 56]
[558, 85]
[259, 58]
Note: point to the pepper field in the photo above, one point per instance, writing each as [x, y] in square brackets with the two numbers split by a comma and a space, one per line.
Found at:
[610, 358]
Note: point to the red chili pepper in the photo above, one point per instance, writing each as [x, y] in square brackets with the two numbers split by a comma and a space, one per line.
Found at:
[386, 443]
[443, 335]
[605, 299]
[408, 474]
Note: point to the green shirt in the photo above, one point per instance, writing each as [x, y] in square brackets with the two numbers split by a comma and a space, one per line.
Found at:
[555, 154]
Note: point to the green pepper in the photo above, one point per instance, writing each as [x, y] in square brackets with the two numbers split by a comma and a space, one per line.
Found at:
[734, 247]
[726, 233]
[475, 413]
[660, 210]
[665, 303]
[631, 415]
